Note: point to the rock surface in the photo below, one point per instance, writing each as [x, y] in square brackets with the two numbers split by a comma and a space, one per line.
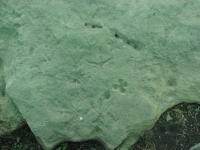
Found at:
[105, 70]
[10, 117]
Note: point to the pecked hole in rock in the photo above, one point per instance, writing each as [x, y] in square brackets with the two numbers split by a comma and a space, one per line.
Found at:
[133, 43]
[91, 25]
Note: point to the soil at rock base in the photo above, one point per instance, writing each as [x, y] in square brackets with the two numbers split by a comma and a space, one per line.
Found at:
[177, 129]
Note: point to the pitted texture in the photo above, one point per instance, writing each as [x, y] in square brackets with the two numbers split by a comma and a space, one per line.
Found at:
[105, 70]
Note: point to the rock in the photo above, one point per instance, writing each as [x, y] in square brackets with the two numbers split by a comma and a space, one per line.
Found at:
[195, 147]
[10, 117]
[104, 70]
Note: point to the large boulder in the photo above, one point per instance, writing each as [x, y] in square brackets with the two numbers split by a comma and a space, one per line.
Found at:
[104, 70]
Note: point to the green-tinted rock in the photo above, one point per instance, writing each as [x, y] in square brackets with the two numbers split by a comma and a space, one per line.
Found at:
[10, 118]
[104, 70]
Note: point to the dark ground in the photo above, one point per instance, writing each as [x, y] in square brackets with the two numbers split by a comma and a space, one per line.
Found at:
[177, 129]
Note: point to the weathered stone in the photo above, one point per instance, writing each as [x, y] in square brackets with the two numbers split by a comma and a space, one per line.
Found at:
[104, 70]
[10, 118]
